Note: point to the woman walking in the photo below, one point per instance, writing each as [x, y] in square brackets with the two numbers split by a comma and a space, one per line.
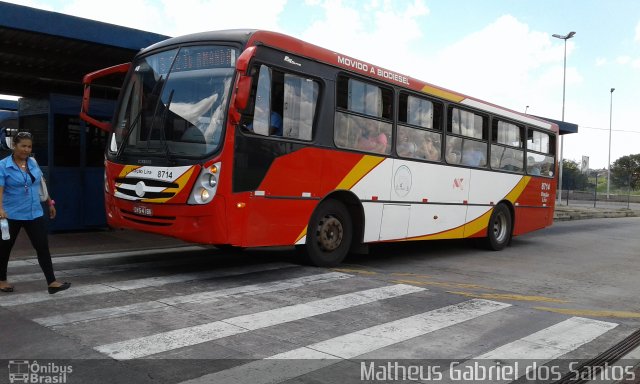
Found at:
[20, 204]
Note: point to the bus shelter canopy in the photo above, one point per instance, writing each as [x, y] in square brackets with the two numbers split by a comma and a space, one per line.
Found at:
[44, 52]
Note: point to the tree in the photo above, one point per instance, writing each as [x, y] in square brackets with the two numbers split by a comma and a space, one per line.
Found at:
[572, 178]
[625, 169]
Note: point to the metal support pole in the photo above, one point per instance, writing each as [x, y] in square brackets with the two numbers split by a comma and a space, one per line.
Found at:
[629, 192]
[595, 192]
[609, 158]
[564, 82]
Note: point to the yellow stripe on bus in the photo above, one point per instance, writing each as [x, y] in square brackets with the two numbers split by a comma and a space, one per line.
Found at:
[127, 170]
[364, 166]
[455, 233]
[181, 181]
[301, 235]
[518, 189]
[478, 224]
[447, 95]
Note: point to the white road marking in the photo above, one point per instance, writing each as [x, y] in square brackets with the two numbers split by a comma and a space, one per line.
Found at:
[551, 342]
[105, 256]
[535, 350]
[167, 341]
[199, 298]
[287, 365]
[94, 289]
[106, 269]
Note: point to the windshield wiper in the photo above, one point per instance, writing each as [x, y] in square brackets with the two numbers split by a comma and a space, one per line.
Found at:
[163, 134]
[136, 120]
[125, 138]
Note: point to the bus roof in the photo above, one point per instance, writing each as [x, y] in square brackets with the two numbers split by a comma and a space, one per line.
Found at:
[251, 37]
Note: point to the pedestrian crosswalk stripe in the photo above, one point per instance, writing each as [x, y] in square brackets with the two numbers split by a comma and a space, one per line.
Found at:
[105, 256]
[351, 345]
[78, 290]
[199, 298]
[552, 342]
[167, 341]
[254, 289]
[374, 338]
[540, 347]
[106, 269]
[100, 313]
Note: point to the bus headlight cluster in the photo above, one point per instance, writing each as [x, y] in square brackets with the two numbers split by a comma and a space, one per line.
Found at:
[213, 182]
[206, 185]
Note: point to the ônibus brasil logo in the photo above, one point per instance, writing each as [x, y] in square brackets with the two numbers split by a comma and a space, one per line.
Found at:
[23, 371]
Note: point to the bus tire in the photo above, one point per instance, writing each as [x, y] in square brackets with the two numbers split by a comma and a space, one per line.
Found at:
[329, 234]
[499, 229]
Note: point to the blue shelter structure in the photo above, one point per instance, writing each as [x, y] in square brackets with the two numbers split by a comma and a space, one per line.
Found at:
[43, 59]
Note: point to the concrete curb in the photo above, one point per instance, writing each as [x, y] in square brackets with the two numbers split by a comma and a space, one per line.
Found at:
[569, 213]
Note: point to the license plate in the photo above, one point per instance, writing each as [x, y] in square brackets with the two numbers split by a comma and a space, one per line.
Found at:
[142, 210]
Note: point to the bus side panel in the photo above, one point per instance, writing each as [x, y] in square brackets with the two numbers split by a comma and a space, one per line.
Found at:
[277, 221]
[535, 206]
[280, 208]
[531, 218]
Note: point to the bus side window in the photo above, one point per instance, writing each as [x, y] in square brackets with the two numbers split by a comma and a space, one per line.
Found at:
[541, 163]
[363, 119]
[299, 107]
[285, 105]
[261, 112]
[471, 144]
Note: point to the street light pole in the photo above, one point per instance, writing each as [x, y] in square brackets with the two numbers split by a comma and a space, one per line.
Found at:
[564, 82]
[609, 158]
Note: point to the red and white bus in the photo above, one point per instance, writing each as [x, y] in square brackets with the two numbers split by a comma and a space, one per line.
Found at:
[251, 138]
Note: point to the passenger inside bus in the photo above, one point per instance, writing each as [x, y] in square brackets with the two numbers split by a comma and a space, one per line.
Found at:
[371, 139]
[405, 145]
[452, 154]
[533, 168]
[429, 150]
[474, 154]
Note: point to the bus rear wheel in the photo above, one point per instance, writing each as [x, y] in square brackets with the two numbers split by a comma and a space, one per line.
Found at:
[499, 230]
[329, 234]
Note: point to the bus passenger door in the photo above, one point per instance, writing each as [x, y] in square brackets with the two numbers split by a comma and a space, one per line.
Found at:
[395, 221]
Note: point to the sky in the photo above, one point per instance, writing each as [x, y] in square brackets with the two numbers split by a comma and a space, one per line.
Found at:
[500, 51]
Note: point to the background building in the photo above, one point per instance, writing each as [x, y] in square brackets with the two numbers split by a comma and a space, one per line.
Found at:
[43, 59]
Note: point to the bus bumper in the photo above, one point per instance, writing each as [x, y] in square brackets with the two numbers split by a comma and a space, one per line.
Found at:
[203, 224]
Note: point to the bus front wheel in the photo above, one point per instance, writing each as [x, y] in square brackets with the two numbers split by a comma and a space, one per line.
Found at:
[499, 230]
[329, 234]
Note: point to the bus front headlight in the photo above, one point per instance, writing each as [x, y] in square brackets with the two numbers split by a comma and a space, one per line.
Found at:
[213, 182]
[204, 189]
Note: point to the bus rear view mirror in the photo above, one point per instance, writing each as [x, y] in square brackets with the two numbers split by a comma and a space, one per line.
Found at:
[242, 92]
[243, 88]
[86, 96]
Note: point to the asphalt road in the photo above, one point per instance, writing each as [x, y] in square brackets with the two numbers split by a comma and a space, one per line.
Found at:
[590, 265]
[554, 297]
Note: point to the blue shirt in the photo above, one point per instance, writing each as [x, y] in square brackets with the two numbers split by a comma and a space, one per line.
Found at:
[20, 203]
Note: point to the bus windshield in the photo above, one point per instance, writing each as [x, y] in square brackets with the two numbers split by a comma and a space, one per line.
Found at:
[174, 103]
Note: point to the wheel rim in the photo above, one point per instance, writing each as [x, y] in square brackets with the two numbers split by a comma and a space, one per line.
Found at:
[500, 229]
[330, 233]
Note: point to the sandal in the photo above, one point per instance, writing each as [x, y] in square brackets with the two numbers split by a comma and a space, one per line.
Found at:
[6, 289]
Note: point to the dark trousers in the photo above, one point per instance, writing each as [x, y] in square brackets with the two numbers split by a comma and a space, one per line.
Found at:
[37, 232]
